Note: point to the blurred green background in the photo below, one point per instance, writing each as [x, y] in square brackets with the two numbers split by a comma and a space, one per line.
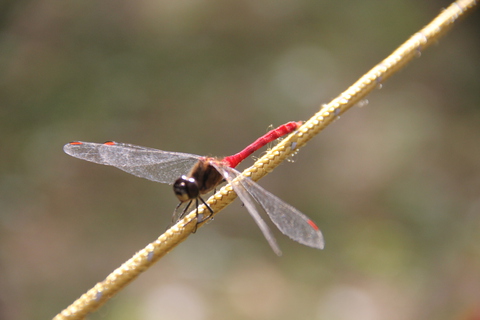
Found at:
[394, 185]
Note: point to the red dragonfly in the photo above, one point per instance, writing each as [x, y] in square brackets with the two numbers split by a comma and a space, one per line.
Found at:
[193, 176]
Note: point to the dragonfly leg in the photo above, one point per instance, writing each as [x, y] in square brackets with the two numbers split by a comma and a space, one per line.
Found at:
[200, 218]
[209, 209]
[176, 217]
[196, 208]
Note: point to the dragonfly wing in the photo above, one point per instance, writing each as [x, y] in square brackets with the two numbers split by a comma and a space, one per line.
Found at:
[230, 174]
[288, 220]
[152, 164]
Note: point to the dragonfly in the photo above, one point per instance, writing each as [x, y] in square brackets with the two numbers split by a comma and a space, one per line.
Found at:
[193, 176]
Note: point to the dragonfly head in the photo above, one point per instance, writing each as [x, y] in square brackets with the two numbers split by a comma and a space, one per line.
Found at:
[186, 188]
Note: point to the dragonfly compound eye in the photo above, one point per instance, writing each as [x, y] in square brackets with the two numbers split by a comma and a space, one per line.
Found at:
[186, 189]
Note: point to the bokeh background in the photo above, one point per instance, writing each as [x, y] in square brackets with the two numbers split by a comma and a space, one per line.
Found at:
[394, 184]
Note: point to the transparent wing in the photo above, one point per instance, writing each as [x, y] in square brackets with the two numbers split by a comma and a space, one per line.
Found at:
[152, 164]
[230, 174]
[288, 220]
